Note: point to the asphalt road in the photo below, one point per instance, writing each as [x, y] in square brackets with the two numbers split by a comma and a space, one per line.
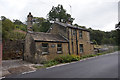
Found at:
[105, 66]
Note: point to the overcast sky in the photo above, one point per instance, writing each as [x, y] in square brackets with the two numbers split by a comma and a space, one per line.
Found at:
[97, 14]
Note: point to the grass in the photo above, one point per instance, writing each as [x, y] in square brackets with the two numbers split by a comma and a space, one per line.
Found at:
[38, 67]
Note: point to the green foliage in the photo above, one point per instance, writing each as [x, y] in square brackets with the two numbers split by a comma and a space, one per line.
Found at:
[62, 59]
[51, 63]
[7, 27]
[41, 25]
[18, 22]
[80, 26]
[102, 37]
[59, 13]
[21, 27]
[16, 35]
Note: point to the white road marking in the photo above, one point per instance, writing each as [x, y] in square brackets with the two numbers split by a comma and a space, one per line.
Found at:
[28, 72]
[57, 65]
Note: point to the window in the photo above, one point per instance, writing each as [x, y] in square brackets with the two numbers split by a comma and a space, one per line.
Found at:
[81, 48]
[80, 34]
[44, 48]
[74, 32]
[59, 48]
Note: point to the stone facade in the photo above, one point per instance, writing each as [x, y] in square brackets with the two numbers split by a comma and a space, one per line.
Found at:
[33, 49]
[61, 39]
[72, 34]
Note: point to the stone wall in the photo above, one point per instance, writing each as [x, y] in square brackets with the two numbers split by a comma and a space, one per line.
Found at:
[29, 49]
[39, 57]
[13, 49]
[74, 42]
[57, 29]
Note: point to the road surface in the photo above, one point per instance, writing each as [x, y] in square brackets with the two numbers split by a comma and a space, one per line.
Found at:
[105, 66]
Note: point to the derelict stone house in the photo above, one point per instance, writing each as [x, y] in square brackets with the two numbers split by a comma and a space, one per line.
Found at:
[60, 39]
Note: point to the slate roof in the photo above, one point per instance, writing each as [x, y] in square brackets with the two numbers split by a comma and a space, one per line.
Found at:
[69, 25]
[47, 37]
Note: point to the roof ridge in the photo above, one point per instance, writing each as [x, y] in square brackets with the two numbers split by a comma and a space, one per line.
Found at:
[69, 25]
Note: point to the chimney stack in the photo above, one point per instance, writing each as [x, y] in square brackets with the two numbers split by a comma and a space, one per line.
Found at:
[29, 22]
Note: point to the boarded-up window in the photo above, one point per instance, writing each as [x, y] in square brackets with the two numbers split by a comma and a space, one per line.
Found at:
[80, 34]
[81, 48]
[59, 48]
[44, 48]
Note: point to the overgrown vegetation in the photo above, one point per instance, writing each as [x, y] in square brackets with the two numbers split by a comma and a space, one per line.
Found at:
[62, 59]
[16, 35]
[8, 28]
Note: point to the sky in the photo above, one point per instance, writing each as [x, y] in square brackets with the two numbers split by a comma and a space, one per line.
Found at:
[97, 14]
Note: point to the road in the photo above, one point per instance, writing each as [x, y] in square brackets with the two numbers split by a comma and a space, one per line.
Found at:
[105, 66]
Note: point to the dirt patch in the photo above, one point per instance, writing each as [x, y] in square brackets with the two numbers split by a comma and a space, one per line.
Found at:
[20, 69]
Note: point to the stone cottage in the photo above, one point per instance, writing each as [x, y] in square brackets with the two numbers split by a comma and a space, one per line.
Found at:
[60, 39]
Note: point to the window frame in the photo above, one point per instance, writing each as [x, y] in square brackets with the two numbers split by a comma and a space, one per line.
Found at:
[74, 32]
[81, 48]
[80, 34]
[59, 47]
[45, 47]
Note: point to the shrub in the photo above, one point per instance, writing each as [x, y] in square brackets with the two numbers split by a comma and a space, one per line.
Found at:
[75, 57]
[91, 55]
[64, 59]
[61, 59]
[99, 54]
[50, 63]
[84, 56]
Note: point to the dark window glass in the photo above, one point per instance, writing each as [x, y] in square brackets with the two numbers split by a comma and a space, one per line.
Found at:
[59, 45]
[81, 48]
[74, 32]
[44, 48]
[80, 34]
[44, 44]
[59, 48]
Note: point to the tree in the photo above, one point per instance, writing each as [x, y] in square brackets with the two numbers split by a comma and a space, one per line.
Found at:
[102, 37]
[59, 13]
[3, 18]
[19, 25]
[7, 27]
[80, 26]
[41, 25]
[118, 33]
[18, 22]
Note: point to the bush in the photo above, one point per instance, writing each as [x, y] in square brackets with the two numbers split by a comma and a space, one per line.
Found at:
[91, 55]
[61, 59]
[51, 63]
[75, 57]
[16, 35]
